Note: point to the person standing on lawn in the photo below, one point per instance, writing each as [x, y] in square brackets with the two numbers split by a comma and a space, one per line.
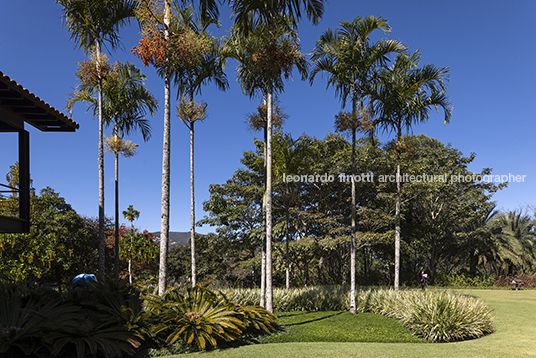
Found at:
[422, 279]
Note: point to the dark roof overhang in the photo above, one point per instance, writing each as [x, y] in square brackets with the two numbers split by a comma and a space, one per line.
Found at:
[18, 105]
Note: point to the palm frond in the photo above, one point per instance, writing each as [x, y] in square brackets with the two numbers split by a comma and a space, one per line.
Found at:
[94, 21]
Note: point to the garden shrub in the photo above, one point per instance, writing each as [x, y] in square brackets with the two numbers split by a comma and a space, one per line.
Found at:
[465, 281]
[316, 298]
[41, 322]
[432, 315]
[204, 318]
[529, 281]
[113, 320]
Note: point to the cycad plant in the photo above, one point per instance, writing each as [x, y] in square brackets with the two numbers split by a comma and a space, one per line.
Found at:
[204, 318]
[27, 319]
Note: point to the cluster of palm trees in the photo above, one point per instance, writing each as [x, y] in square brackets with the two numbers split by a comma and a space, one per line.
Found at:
[264, 43]
[383, 98]
[121, 99]
[503, 241]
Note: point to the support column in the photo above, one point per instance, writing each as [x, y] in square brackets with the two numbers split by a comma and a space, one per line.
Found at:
[24, 179]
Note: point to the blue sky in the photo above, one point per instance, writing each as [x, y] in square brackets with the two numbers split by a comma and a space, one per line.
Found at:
[488, 46]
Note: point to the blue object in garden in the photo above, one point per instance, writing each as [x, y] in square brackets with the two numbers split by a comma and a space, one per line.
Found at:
[83, 282]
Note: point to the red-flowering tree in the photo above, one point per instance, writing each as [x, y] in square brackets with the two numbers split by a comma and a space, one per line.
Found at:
[137, 248]
[170, 44]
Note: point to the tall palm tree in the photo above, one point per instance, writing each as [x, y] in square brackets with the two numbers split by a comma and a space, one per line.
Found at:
[163, 35]
[269, 50]
[403, 96]
[253, 18]
[92, 23]
[257, 121]
[291, 156]
[351, 61]
[131, 214]
[118, 146]
[125, 103]
[189, 81]
[352, 123]
[191, 112]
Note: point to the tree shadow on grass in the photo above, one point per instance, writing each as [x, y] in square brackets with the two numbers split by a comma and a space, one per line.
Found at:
[313, 318]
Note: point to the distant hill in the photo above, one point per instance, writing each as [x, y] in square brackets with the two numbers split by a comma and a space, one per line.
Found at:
[175, 238]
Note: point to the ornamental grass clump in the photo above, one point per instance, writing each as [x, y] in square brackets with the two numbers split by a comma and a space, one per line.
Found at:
[433, 316]
[245, 296]
[316, 298]
[447, 317]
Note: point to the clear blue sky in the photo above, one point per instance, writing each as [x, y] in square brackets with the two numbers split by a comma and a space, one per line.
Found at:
[488, 46]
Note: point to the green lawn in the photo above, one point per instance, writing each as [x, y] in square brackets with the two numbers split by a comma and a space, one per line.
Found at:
[339, 327]
[515, 336]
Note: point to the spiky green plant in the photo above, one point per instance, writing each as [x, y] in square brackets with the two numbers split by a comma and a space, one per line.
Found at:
[256, 319]
[316, 298]
[109, 324]
[199, 317]
[432, 315]
[204, 318]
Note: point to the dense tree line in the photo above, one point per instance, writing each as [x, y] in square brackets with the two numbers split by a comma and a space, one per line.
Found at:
[448, 221]
[62, 244]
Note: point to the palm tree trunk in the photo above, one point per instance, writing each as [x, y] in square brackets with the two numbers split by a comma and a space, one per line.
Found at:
[101, 171]
[164, 223]
[352, 240]
[263, 240]
[269, 300]
[287, 259]
[262, 302]
[192, 205]
[397, 216]
[116, 243]
[130, 258]
[473, 262]
[130, 270]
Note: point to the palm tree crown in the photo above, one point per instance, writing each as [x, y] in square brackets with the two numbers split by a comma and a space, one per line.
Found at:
[93, 22]
[350, 59]
[247, 13]
[404, 95]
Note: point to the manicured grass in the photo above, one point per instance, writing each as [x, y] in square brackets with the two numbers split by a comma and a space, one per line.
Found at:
[515, 323]
[339, 327]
